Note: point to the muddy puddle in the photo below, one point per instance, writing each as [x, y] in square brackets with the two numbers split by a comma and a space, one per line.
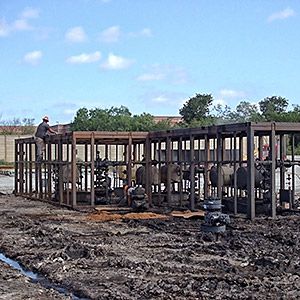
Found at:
[38, 278]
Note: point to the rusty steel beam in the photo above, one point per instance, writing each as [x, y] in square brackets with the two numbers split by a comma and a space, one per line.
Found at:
[251, 172]
[273, 167]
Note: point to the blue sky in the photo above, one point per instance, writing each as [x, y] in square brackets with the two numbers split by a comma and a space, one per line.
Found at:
[148, 55]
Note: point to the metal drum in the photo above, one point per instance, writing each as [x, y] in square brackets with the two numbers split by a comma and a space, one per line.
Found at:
[227, 176]
[242, 178]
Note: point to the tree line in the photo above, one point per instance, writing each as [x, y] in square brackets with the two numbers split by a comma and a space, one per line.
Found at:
[196, 111]
[17, 126]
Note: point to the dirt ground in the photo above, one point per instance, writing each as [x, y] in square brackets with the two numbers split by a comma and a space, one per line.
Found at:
[133, 257]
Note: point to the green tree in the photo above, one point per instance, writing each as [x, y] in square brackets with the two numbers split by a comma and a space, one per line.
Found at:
[17, 126]
[81, 120]
[196, 109]
[245, 112]
[222, 114]
[272, 107]
[143, 122]
[114, 119]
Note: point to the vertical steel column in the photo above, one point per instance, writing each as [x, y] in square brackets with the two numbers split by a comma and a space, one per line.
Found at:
[235, 197]
[92, 168]
[21, 164]
[219, 165]
[159, 168]
[49, 172]
[293, 170]
[282, 158]
[129, 160]
[251, 173]
[273, 167]
[16, 167]
[180, 160]
[68, 173]
[30, 169]
[192, 171]
[85, 167]
[26, 169]
[206, 165]
[106, 175]
[74, 169]
[168, 162]
[241, 150]
[148, 170]
[60, 171]
[260, 157]
[260, 147]
[241, 157]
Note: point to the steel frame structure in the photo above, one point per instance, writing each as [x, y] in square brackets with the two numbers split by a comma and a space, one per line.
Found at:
[194, 150]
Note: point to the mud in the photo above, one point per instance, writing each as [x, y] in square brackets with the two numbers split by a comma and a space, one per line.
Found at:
[146, 258]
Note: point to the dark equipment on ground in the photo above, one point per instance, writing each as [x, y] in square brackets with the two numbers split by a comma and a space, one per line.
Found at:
[214, 219]
[138, 199]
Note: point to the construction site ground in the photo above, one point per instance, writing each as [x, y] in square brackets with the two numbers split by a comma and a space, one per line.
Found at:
[97, 254]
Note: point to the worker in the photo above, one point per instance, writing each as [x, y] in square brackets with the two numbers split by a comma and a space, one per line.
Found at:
[39, 137]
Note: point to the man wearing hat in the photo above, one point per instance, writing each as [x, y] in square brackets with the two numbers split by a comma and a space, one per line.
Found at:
[39, 137]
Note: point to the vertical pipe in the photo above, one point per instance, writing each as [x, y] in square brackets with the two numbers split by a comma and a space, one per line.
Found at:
[251, 170]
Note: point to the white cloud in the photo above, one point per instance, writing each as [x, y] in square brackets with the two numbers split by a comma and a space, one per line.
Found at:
[21, 25]
[219, 101]
[30, 13]
[4, 28]
[231, 93]
[70, 111]
[172, 74]
[33, 57]
[145, 32]
[111, 34]
[115, 62]
[160, 99]
[281, 15]
[76, 35]
[164, 99]
[150, 77]
[84, 58]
